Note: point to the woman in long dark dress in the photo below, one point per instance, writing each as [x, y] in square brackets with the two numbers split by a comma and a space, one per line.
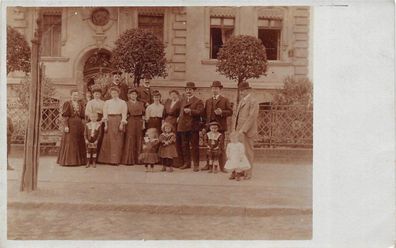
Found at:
[133, 136]
[171, 113]
[72, 151]
[114, 117]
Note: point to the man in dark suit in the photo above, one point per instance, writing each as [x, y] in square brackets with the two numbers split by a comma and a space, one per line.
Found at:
[218, 108]
[188, 126]
[145, 93]
[116, 83]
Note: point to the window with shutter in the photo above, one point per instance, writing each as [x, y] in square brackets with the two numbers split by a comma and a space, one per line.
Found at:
[152, 23]
[51, 43]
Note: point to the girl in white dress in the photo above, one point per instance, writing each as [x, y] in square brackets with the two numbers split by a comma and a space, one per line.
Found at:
[237, 161]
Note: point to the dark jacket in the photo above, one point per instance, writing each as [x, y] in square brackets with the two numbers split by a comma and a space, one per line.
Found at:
[171, 114]
[224, 104]
[145, 95]
[191, 121]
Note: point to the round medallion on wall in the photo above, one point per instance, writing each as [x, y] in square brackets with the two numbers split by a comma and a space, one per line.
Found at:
[100, 17]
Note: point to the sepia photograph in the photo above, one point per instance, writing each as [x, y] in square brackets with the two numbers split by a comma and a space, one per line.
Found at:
[159, 122]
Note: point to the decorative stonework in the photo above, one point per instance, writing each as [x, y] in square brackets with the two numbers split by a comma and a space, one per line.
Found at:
[301, 41]
[222, 11]
[271, 13]
[100, 17]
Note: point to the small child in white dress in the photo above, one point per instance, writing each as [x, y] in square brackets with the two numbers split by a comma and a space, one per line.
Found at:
[237, 161]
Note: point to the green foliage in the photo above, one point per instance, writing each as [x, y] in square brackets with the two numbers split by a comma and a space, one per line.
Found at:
[295, 92]
[48, 90]
[18, 51]
[140, 53]
[242, 57]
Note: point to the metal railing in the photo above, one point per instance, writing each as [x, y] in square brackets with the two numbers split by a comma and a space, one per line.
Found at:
[285, 126]
[278, 125]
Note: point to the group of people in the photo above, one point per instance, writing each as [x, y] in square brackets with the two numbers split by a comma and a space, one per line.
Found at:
[131, 126]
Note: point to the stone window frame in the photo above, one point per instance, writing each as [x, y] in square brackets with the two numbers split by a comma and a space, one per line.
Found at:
[155, 11]
[279, 13]
[63, 12]
[221, 12]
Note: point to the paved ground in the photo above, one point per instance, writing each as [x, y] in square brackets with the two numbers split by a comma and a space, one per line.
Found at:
[118, 225]
[127, 203]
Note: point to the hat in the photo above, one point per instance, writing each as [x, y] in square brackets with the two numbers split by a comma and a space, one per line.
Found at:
[244, 86]
[115, 88]
[155, 93]
[96, 88]
[214, 123]
[133, 90]
[217, 84]
[116, 72]
[191, 85]
[174, 91]
[166, 124]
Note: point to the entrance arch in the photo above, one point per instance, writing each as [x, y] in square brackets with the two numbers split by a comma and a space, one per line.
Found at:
[92, 62]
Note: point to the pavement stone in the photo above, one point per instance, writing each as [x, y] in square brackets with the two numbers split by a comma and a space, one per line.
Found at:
[126, 203]
[274, 189]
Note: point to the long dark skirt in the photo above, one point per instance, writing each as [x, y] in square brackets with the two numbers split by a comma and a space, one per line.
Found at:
[113, 141]
[72, 151]
[155, 122]
[133, 141]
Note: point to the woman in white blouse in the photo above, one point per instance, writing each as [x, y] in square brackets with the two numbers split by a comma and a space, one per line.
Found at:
[95, 106]
[154, 112]
[114, 118]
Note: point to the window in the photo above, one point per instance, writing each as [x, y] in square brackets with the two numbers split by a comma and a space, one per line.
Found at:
[52, 26]
[221, 29]
[269, 32]
[154, 24]
[50, 113]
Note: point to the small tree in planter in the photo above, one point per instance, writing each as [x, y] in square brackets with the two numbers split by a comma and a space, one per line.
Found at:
[140, 53]
[242, 57]
[18, 51]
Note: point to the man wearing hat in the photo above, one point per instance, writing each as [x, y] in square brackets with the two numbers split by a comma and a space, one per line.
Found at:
[218, 108]
[188, 126]
[116, 83]
[145, 94]
[246, 122]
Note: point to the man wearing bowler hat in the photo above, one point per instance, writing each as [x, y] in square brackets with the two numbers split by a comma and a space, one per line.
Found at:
[188, 126]
[123, 87]
[218, 108]
[246, 122]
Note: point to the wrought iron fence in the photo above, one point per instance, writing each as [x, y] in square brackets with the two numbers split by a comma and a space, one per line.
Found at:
[285, 125]
[50, 121]
[278, 125]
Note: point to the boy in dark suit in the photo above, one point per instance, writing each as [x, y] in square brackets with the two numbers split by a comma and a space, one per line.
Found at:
[188, 126]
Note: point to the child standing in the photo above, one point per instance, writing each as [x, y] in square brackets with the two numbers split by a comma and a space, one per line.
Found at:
[237, 161]
[149, 155]
[167, 150]
[92, 134]
[213, 141]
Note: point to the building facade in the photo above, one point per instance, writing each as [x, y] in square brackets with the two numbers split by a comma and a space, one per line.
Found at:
[77, 43]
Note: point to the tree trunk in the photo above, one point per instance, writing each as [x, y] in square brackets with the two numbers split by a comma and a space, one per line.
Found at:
[32, 145]
[136, 80]
[238, 91]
